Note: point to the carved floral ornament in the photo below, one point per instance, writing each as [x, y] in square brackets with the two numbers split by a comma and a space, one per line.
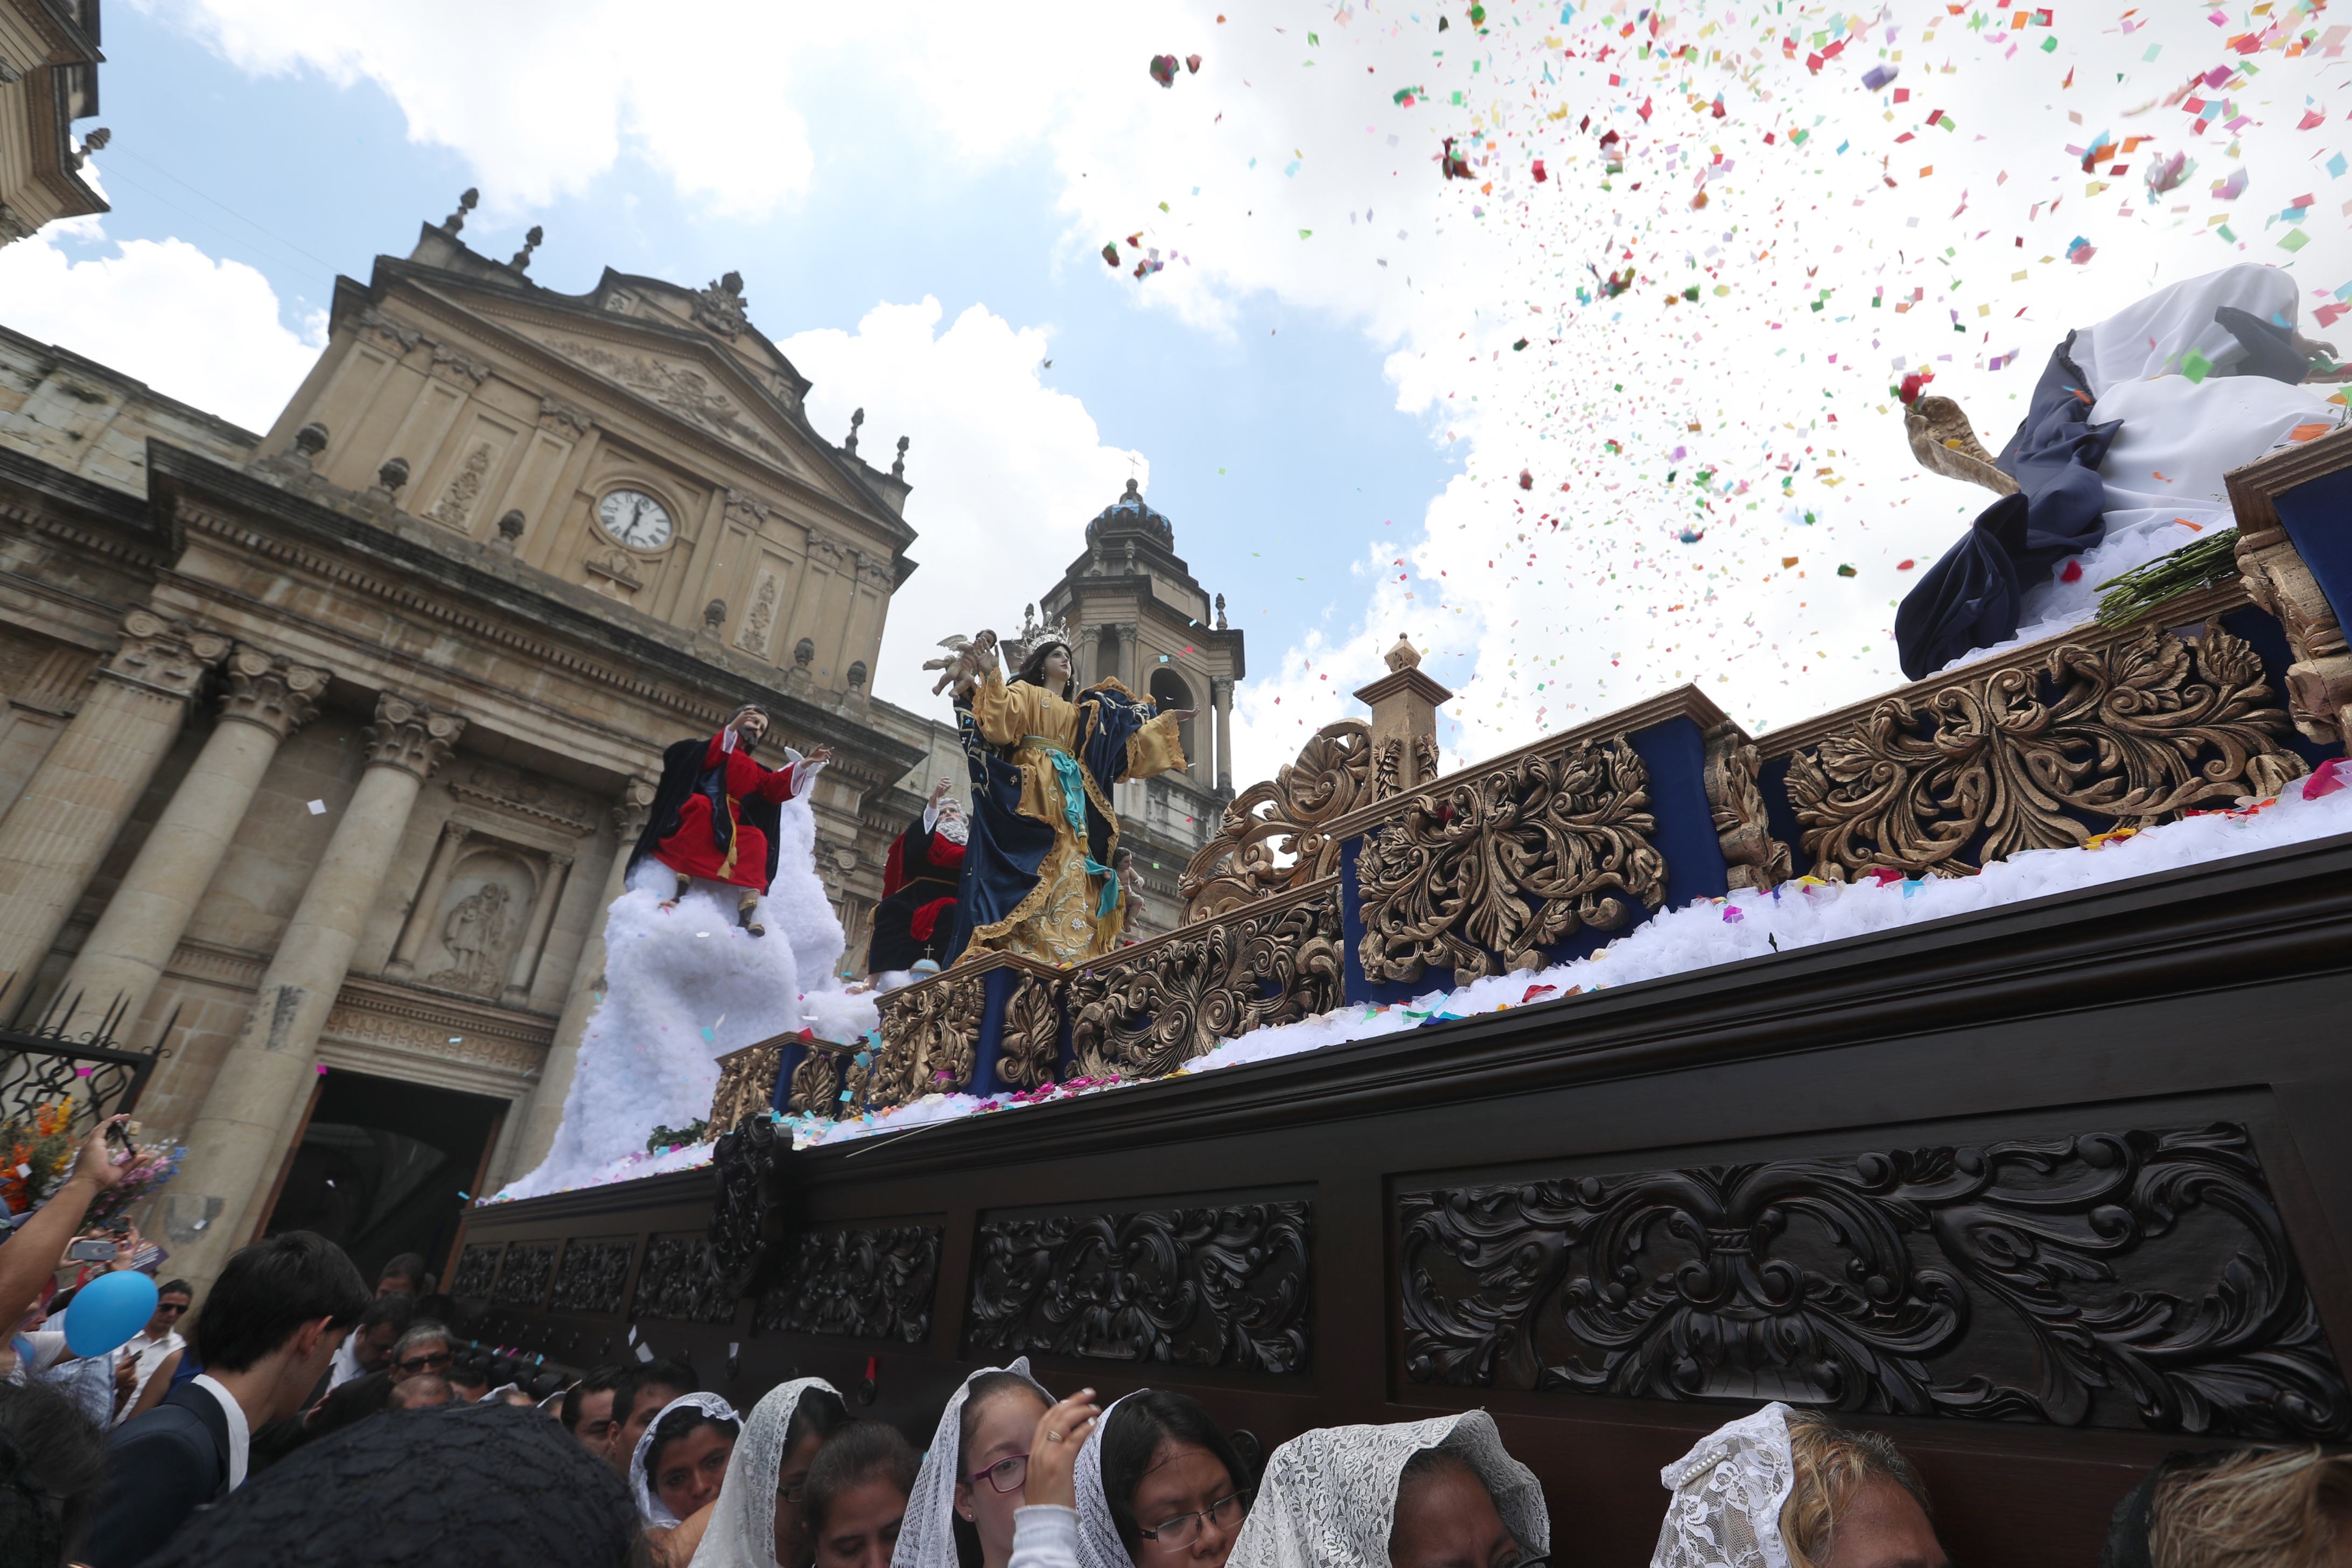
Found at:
[927, 1031]
[2109, 1279]
[1270, 838]
[2042, 757]
[1224, 1288]
[869, 1283]
[1482, 875]
[1147, 1010]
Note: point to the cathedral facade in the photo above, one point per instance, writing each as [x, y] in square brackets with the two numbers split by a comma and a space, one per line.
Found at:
[324, 748]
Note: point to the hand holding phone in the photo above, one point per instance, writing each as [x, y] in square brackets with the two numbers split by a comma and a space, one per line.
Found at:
[87, 1251]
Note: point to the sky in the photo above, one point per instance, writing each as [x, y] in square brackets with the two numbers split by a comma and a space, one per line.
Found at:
[1608, 412]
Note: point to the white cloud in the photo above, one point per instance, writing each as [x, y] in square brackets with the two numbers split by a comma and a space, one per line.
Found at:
[207, 332]
[1006, 471]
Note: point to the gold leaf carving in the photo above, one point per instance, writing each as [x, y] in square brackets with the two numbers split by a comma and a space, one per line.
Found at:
[1149, 1012]
[1752, 857]
[2044, 756]
[1032, 1035]
[1270, 839]
[816, 1085]
[1482, 876]
[928, 1029]
[747, 1083]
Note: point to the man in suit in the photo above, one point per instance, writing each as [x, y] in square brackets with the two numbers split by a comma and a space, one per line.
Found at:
[265, 1334]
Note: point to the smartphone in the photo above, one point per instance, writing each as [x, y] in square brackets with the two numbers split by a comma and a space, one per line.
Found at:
[92, 1252]
[116, 1136]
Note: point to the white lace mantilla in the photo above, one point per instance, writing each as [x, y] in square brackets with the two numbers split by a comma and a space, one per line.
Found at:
[1728, 1493]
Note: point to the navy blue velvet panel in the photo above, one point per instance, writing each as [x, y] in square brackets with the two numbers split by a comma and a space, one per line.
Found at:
[997, 987]
[2318, 517]
[1675, 755]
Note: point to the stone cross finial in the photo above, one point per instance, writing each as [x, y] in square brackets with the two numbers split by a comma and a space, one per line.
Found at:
[466, 204]
[521, 262]
[856, 418]
[1134, 491]
[899, 468]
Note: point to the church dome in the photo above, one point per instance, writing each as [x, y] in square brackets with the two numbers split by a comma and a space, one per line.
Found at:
[1131, 514]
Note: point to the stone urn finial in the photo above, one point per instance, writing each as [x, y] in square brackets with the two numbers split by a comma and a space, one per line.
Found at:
[1404, 656]
[392, 475]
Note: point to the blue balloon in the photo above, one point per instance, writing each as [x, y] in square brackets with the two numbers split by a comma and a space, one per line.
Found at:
[107, 1311]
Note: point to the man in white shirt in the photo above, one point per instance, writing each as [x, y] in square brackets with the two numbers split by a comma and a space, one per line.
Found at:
[268, 1330]
[155, 1344]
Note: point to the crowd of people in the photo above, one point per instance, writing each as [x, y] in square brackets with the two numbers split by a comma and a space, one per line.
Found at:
[301, 1418]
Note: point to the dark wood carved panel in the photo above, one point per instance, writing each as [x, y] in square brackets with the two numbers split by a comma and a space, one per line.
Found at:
[679, 1283]
[523, 1281]
[591, 1277]
[477, 1266]
[1209, 1287]
[2137, 1279]
[872, 1284]
[747, 1210]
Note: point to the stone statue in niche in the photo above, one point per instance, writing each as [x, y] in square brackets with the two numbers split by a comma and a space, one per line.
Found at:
[480, 925]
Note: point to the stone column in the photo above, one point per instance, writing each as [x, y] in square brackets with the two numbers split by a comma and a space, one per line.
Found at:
[53, 839]
[264, 701]
[419, 924]
[1129, 654]
[534, 938]
[546, 1113]
[1221, 698]
[257, 1095]
[1405, 705]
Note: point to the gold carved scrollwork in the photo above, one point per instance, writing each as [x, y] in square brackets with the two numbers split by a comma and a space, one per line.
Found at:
[747, 1083]
[2128, 735]
[1752, 857]
[1481, 877]
[931, 1039]
[1281, 818]
[816, 1085]
[1033, 1034]
[1149, 1013]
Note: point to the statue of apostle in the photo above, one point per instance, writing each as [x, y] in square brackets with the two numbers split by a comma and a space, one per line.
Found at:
[715, 812]
[1043, 756]
[916, 914]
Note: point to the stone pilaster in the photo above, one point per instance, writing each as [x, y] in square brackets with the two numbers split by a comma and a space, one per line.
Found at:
[427, 904]
[264, 699]
[534, 937]
[54, 838]
[256, 1097]
[546, 1113]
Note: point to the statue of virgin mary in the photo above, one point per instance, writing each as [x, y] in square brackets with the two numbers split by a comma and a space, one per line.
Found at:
[1043, 756]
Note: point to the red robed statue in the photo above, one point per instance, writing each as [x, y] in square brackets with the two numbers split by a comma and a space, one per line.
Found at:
[716, 814]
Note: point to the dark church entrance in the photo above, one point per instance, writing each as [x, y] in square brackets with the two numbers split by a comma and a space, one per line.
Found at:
[382, 1166]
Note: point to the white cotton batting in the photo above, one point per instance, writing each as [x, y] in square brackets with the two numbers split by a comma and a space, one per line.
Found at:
[683, 988]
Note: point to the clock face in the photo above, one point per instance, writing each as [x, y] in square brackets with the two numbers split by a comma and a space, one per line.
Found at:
[635, 519]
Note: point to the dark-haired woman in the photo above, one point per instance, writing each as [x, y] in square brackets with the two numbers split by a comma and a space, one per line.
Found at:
[960, 1515]
[855, 1497]
[1150, 1483]
[757, 1517]
[674, 1473]
[1042, 758]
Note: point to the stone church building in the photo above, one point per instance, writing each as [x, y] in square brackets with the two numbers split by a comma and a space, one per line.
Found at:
[325, 747]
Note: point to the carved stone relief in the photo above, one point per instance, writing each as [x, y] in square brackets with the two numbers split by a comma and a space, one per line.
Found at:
[683, 390]
[2129, 735]
[484, 908]
[591, 1277]
[761, 618]
[1480, 877]
[523, 1281]
[2139, 1278]
[1145, 1013]
[477, 1266]
[1224, 1288]
[464, 489]
[678, 1283]
[535, 800]
[1270, 838]
[878, 1283]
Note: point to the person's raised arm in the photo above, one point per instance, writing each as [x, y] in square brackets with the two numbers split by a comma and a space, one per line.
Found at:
[31, 1254]
[159, 1384]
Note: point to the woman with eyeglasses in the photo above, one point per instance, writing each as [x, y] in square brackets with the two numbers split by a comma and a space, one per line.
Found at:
[960, 1512]
[757, 1518]
[1150, 1483]
[1414, 1494]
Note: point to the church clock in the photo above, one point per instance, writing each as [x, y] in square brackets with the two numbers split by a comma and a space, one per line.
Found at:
[634, 518]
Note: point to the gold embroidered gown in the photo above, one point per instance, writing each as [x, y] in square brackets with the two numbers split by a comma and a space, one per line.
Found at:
[1061, 750]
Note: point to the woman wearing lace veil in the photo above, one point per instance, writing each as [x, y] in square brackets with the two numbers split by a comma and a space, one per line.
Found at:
[758, 1500]
[1152, 1483]
[973, 1472]
[1367, 1497]
[1786, 1488]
